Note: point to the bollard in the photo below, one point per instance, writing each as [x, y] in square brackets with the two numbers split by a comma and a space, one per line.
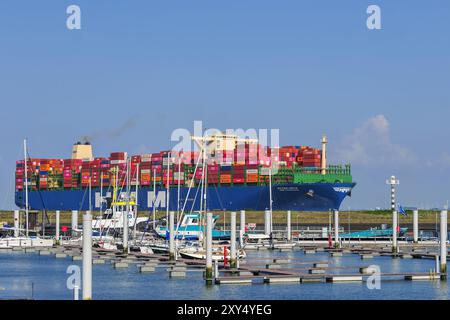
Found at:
[443, 235]
[171, 236]
[16, 223]
[87, 256]
[336, 229]
[242, 227]
[416, 226]
[233, 241]
[74, 221]
[267, 222]
[57, 227]
[289, 232]
[208, 271]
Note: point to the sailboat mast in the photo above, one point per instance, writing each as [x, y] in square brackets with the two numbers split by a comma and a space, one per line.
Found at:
[101, 193]
[26, 184]
[179, 188]
[270, 197]
[154, 198]
[137, 203]
[168, 188]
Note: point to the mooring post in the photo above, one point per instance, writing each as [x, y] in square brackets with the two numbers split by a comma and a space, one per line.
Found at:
[394, 231]
[74, 221]
[87, 256]
[336, 229]
[76, 290]
[233, 241]
[443, 257]
[437, 265]
[416, 226]
[125, 229]
[289, 232]
[208, 271]
[242, 229]
[171, 235]
[267, 222]
[16, 223]
[57, 227]
[216, 269]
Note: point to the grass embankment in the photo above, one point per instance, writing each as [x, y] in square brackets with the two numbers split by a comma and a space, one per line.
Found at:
[301, 218]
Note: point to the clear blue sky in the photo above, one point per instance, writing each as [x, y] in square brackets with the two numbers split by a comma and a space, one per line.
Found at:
[139, 69]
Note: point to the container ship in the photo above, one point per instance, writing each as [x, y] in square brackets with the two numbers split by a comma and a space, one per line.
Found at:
[237, 174]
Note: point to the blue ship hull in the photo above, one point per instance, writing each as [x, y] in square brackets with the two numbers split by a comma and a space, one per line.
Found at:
[296, 197]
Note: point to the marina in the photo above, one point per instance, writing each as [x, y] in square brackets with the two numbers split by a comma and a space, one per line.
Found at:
[192, 247]
[149, 276]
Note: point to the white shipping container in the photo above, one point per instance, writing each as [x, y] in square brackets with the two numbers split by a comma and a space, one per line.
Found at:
[118, 161]
[178, 175]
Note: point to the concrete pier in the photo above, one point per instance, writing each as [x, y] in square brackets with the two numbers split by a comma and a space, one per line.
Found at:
[234, 281]
[443, 243]
[282, 280]
[209, 271]
[233, 255]
[178, 274]
[416, 226]
[145, 268]
[338, 278]
[87, 256]
[171, 236]
[119, 265]
[98, 261]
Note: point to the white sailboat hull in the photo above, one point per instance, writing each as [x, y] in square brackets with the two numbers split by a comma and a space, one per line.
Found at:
[25, 242]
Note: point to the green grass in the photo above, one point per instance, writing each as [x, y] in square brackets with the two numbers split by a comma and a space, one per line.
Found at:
[303, 218]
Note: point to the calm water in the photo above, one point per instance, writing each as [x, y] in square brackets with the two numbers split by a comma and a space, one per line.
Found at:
[19, 272]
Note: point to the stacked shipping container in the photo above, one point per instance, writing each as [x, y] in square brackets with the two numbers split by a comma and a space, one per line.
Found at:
[240, 166]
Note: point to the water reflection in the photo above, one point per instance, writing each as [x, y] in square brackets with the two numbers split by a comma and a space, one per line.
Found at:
[18, 271]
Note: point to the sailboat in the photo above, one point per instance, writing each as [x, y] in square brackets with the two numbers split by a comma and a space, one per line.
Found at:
[25, 240]
[191, 228]
[217, 253]
[121, 214]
